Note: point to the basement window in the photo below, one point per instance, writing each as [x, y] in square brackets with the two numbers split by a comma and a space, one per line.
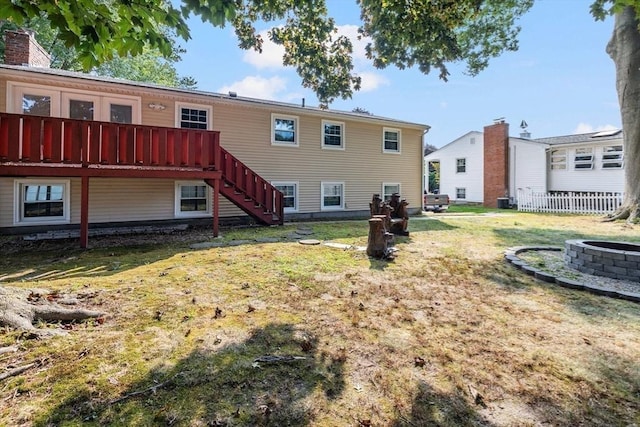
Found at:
[193, 199]
[41, 201]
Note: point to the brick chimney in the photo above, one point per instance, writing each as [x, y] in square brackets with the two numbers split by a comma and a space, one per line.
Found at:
[21, 48]
[496, 163]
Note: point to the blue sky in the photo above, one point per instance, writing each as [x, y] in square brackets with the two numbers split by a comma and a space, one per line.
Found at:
[561, 81]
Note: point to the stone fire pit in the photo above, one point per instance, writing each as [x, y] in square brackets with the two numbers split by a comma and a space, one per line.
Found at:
[617, 260]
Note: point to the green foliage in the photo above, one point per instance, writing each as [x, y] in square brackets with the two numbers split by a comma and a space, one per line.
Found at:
[432, 34]
[428, 34]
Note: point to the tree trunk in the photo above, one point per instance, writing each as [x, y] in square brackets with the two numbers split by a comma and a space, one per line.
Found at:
[624, 49]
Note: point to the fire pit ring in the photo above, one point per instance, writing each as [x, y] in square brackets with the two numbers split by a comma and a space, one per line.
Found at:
[617, 260]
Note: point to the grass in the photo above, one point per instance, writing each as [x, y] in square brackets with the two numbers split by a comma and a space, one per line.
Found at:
[446, 334]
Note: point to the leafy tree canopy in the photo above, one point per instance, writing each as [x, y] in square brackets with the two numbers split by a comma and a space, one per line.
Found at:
[429, 34]
[148, 66]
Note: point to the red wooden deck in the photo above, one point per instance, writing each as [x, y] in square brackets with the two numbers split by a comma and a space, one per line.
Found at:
[51, 146]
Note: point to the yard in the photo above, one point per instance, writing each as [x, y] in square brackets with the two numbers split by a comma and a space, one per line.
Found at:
[446, 334]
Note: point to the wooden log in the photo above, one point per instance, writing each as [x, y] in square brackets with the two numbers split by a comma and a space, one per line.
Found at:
[378, 241]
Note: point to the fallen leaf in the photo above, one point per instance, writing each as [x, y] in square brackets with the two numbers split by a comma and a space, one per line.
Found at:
[250, 308]
[419, 361]
[218, 313]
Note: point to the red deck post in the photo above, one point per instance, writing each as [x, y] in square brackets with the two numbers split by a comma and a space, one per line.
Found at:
[216, 210]
[84, 213]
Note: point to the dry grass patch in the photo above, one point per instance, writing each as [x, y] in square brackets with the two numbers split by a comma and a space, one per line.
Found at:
[446, 334]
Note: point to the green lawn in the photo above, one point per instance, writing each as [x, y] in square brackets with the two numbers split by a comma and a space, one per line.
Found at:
[446, 334]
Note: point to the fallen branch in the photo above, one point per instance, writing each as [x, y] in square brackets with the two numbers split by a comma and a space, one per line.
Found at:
[151, 389]
[277, 359]
[17, 371]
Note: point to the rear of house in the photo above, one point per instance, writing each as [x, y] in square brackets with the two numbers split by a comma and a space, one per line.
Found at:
[326, 163]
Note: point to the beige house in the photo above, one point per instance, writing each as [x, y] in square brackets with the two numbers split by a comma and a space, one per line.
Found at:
[78, 150]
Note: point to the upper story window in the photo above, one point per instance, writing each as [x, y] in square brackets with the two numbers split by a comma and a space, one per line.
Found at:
[558, 159]
[76, 104]
[583, 159]
[461, 165]
[612, 157]
[332, 135]
[41, 201]
[193, 116]
[284, 130]
[391, 140]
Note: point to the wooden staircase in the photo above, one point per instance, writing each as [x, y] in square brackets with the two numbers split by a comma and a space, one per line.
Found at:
[54, 146]
[249, 191]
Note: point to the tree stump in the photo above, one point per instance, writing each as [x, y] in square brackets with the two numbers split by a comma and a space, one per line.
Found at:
[379, 238]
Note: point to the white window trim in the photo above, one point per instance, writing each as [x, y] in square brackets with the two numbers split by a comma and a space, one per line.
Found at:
[342, 145]
[15, 92]
[67, 97]
[332, 208]
[558, 159]
[133, 102]
[296, 139]
[465, 164]
[619, 159]
[195, 214]
[399, 132]
[18, 207]
[208, 108]
[296, 199]
[587, 152]
[465, 193]
[385, 184]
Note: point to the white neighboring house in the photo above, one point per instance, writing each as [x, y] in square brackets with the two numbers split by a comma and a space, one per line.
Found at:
[477, 168]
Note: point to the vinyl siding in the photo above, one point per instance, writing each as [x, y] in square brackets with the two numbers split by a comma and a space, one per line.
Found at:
[596, 179]
[245, 131]
[527, 167]
[473, 179]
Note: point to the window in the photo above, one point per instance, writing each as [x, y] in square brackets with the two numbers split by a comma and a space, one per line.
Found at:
[332, 135]
[461, 165]
[80, 106]
[332, 196]
[391, 140]
[583, 159]
[121, 110]
[388, 190]
[461, 193]
[36, 100]
[75, 104]
[41, 201]
[193, 199]
[612, 157]
[558, 159]
[193, 116]
[290, 192]
[284, 130]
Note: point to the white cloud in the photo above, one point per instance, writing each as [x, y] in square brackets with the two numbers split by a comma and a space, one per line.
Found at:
[371, 81]
[587, 128]
[271, 56]
[257, 87]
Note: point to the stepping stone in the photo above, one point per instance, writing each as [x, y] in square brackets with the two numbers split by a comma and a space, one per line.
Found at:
[304, 231]
[309, 242]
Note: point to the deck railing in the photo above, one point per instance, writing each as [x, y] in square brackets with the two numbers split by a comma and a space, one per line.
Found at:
[36, 139]
[27, 139]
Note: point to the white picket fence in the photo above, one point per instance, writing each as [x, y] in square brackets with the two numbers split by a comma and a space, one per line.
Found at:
[576, 203]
